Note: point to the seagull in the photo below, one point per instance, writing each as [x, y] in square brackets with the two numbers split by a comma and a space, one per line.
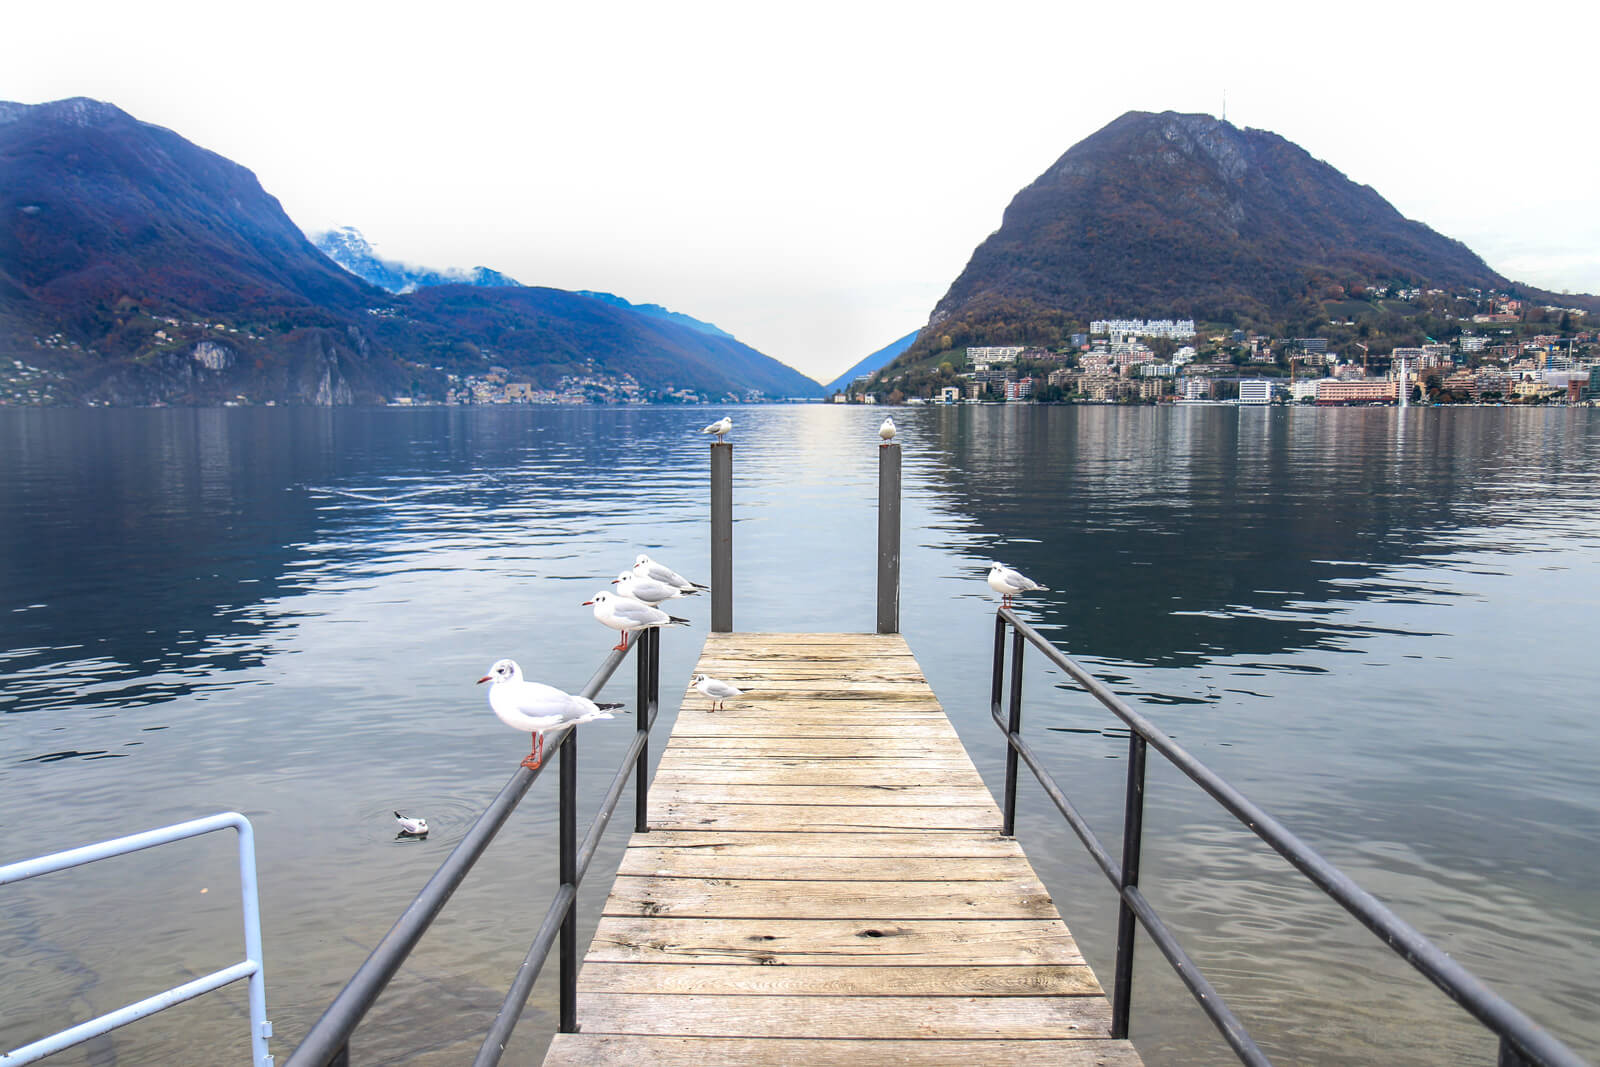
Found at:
[629, 615]
[645, 567]
[411, 827]
[722, 426]
[1008, 583]
[537, 708]
[720, 692]
[648, 590]
[886, 431]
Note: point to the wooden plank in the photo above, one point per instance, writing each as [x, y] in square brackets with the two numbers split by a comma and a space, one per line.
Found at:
[862, 1017]
[950, 748]
[908, 817]
[696, 863]
[803, 844]
[963, 796]
[833, 941]
[732, 898]
[790, 980]
[807, 772]
[604, 1050]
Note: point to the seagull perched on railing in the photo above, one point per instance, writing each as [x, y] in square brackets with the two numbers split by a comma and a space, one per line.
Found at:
[647, 590]
[629, 616]
[536, 708]
[886, 431]
[645, 567]
[1008, 583]
[719, 692]
[722, 426]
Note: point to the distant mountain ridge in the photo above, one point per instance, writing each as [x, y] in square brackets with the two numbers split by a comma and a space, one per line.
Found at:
[349, 248]
[881, 358]
[138, 268]
[1179, 215]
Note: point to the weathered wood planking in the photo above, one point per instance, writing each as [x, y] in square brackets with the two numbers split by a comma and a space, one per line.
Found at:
[824, 881]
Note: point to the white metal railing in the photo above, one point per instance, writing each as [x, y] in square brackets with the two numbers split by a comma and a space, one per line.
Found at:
[251, 967]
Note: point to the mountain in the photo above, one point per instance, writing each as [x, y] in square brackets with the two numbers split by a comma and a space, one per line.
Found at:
[138, 268]
[349, 248]
[881, 358]
[1171, 215]
[657, 311]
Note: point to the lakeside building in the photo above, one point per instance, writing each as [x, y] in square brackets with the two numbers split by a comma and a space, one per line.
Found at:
[1255, 391]
[994, 354]
[1177, 329]
[1358, 391]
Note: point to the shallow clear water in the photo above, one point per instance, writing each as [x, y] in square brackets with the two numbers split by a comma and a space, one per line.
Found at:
[1377, 623]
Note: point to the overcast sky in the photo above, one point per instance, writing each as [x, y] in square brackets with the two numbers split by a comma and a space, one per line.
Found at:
[813, 177]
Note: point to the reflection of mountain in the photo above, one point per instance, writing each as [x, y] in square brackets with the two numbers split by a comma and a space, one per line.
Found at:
[1174, 537]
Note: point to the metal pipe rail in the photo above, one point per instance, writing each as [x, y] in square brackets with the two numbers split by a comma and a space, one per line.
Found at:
[1522, 1041]
[251, 967]
[328, 1040]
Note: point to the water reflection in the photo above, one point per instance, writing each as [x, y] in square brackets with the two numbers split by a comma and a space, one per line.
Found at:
[1375, 622]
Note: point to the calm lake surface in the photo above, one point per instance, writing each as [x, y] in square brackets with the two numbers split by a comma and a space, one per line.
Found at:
[1378, 624]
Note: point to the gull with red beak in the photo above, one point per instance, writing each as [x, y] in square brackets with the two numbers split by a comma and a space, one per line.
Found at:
[629, 616]
[536, 708]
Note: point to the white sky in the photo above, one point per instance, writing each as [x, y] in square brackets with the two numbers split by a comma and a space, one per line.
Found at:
[813, 177]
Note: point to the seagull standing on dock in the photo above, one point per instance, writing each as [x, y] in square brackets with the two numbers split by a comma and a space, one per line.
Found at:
[629, 616]
[1008, 583]
[886, 431]
[647, 590]
[719, 692]
[536, 708]
[645, 567]
[722, 426]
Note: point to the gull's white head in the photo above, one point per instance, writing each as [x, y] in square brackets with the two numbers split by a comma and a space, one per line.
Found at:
[625, 576]
[886, 431]
[697, 679]
[643, 561]
[504, 670]
[996, 566]
[601, 597]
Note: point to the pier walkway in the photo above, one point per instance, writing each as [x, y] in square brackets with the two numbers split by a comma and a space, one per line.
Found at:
[824, 881]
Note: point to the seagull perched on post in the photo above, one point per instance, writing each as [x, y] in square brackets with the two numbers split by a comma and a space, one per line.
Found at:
[886, 431]
[645, 567]
[1008, 583]
[629, 616]
[536, 708]
[719, 692]
[722, 426]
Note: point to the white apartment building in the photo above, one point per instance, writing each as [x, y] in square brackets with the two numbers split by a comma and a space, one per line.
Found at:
[1177, 329]
[1255, 391]
[994, 354]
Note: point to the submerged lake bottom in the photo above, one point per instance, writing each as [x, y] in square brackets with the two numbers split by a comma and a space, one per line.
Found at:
[1376, 623]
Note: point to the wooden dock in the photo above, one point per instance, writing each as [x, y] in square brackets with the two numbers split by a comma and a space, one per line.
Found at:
[825, 882]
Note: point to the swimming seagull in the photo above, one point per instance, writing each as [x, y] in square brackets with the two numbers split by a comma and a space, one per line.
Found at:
[1008, 583]
[648, 590]
[536, 708]
[720, 692]
[629, 616]
[411, 827]
[722, 426]
[645, 567]
[886, 431]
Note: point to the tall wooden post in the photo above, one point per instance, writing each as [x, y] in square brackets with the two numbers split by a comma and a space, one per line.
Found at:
[889, 538]
[722, 537]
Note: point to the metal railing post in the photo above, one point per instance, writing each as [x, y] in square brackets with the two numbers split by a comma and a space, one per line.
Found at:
[889, 538]
[722, 537]
[1012, 729]
[644, 658]
[1132, 838]
[569, 877]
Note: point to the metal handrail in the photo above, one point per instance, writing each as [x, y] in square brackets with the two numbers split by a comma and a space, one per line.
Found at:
[327, 1042]
[1522, 1041]
[251, 967]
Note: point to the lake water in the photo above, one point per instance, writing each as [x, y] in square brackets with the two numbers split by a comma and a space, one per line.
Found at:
[1379, 624]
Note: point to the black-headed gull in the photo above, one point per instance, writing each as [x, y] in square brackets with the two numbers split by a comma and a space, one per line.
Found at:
[886, 431]
[648, 590]
[722, 426]
[718, 691]
[1008, 583]
[536, 708]
[629, 615]
[411, 827]
[645, 567]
